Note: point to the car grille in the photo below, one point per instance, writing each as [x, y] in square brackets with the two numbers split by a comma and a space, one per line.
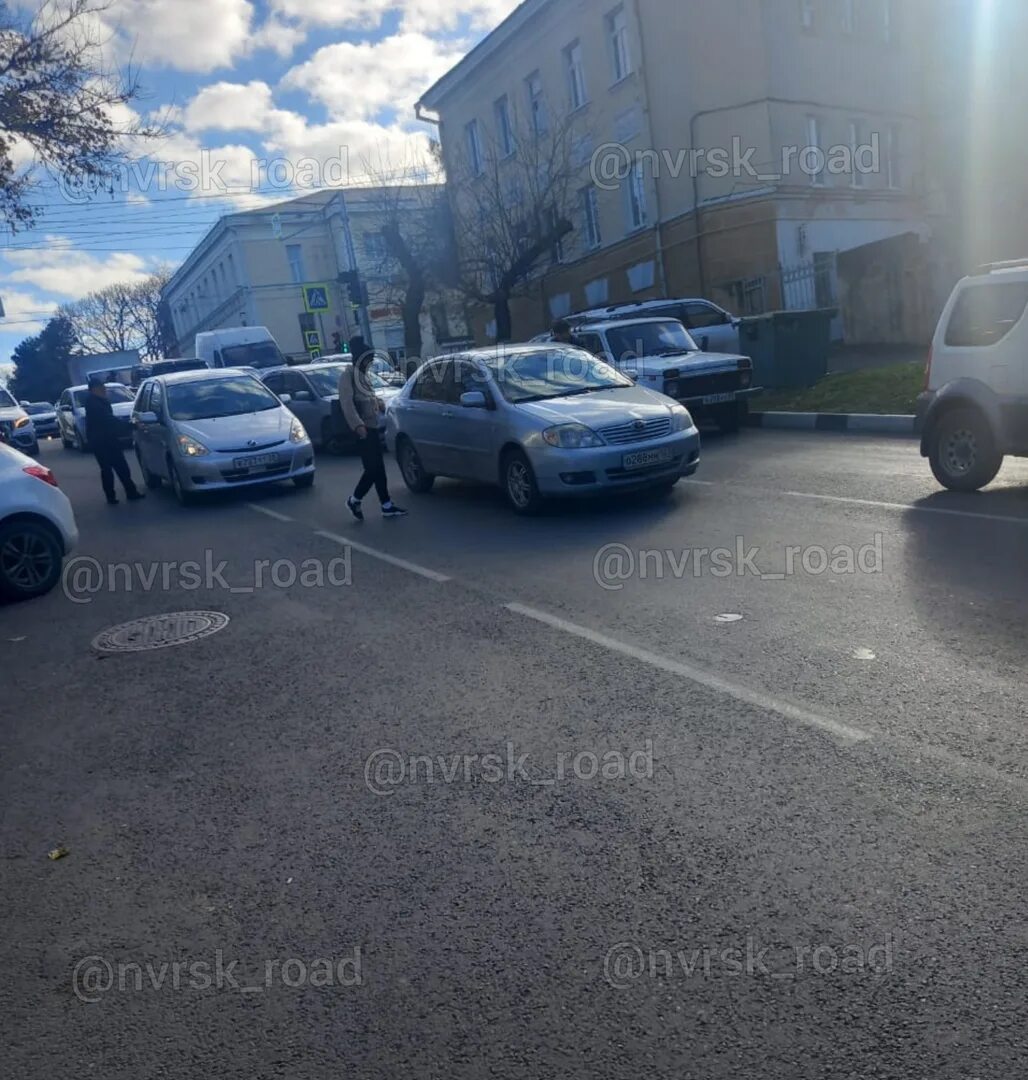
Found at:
[637, 430]
[719, 382]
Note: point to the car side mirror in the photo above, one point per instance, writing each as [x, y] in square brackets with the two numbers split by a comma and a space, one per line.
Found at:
[473, 399]
[65, 408]
[285, 398]
[148, 418]
[303, 395]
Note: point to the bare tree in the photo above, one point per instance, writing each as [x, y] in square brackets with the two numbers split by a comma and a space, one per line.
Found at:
[121, 317]
[513, 206]
[60, 100]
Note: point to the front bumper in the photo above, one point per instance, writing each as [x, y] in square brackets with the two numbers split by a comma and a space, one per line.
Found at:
[600, 470]
[23, 438]
[46, 429]
[219, 472]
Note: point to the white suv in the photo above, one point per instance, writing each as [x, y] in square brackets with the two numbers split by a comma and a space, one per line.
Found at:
[974, 408]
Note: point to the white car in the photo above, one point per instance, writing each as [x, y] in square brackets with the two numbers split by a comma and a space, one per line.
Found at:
[16, 427]
[37, 527]
[71, 415]
[974, 408]
[713, 328]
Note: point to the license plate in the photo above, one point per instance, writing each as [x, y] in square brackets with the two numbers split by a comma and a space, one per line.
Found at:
[719, 399]
[641, 458]
[256, 462]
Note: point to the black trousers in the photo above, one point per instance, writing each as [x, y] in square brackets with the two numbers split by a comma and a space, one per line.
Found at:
[374, 474]
[111, 460]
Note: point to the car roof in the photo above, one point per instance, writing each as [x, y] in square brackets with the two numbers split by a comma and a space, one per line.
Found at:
[642, 305]
[321, 364]
[173, 378]
[85, 386]
[609, 324]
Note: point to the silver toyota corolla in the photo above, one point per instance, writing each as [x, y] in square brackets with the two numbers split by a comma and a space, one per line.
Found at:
[539, 420]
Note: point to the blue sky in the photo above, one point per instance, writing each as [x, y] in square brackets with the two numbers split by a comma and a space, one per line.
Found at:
[316, 87]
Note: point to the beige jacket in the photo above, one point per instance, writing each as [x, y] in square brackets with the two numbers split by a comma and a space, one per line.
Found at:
[359, 403]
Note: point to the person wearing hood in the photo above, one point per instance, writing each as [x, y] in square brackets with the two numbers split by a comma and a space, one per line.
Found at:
[362, 411]
[104, 440]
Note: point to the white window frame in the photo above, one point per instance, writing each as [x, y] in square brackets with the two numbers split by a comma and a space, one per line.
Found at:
[818, 179]
[537, 104]
[636, 210]
[294, 253]
[591, 230]
[504, 126]
[574, 66]
[473, 141]
[856, 137]
[620, 44]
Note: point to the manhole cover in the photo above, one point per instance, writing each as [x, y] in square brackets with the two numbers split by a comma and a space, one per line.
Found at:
[160, 631]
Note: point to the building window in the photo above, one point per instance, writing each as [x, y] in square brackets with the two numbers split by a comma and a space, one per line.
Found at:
[504, 128]
[635, 199]
[474, 139]
[848, 16]
[591, 218]
[294, 253]
[856, 136]
[808, 15]
[575, 67]
[537, 104]
[814, 156]
[620, 52]
[375, 245]
[893, 173]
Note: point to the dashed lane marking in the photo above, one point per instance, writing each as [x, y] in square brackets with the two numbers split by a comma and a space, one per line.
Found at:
[403, 564]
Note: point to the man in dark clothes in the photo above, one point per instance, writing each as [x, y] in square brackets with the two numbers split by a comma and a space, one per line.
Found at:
[102, 436]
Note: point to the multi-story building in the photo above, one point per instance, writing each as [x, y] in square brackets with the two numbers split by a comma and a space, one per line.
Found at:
[723, 149]
[251, 268]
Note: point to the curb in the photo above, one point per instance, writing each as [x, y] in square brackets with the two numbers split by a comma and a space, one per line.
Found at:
[879, 424]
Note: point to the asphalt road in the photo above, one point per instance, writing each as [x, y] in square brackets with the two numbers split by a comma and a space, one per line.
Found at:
[563, 797]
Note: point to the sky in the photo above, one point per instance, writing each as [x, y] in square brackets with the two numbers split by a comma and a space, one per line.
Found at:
[260, 100]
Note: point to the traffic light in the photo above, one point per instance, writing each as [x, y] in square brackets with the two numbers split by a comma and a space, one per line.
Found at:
[355, 288]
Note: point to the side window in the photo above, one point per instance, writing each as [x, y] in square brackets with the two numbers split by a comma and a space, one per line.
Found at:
[274, 382]
[591, 343]
[984, 314]
[467, 379]
[295, 383]
[143, 400]
[157, 399]
[432, 383]
[217, 361]
[700, 316]
[65, 400]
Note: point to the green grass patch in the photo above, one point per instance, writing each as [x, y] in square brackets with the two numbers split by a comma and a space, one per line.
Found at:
[891, 389]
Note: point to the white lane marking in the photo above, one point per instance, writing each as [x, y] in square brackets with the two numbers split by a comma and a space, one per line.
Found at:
[424, 572]
[269, 513]
[755, 698]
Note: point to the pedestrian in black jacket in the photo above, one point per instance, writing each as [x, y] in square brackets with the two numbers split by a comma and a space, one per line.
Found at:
[103, 439]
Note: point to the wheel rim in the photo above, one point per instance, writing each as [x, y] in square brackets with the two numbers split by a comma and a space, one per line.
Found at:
[411, 466]
[26, 560]
[519, 483]
[960, 452]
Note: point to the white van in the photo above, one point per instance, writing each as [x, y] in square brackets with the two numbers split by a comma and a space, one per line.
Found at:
[239, 346]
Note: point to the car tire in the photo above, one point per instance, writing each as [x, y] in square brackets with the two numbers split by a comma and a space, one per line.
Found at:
[152, 482]
[31, 558]
[185, 498]
[80, 443]
[413, 471]
[33, 451]
[65, 443]
[519, 484]
[304, 482]
[963, 452]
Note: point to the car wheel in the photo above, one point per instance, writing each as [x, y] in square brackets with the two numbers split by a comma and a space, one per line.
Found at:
[304, 481]
[80, 443]
[414, 475]
[519, 483]
[963, 453]
[65, 442]
[33, 450]
[31, 555]
[152, 482]
[185, 498]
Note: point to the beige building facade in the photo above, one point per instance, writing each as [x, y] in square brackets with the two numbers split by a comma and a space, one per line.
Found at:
[728, 149]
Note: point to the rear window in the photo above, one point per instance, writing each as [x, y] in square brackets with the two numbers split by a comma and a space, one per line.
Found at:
[259, 354]
[985, 314]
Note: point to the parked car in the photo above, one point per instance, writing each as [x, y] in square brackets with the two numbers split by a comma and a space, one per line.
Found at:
[44, 418]
[712, 327]
[213, 430]
[71, 414]
[660, 354]
[16, 428]
[238, 346]
[164, 367]
[380, 366]
[974, 408]
[37, 527]
[539, 421]
[312, 394]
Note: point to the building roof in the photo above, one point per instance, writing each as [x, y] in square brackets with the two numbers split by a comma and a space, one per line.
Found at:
[483, 51]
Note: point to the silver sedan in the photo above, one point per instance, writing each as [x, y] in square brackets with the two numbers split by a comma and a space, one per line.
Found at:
[539, 421]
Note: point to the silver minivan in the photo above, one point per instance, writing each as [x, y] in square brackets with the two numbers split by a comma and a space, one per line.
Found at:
[214, 430]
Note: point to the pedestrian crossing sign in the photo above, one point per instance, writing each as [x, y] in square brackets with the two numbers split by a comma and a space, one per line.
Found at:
[315, 298]
[312, 339]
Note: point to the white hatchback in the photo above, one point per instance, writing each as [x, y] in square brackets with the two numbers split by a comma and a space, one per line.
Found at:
[37, 527]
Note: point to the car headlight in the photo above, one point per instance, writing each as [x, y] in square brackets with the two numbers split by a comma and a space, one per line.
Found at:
[22, 421]
[681, 418]
[297, 432]
[190, 447]
[571, 437]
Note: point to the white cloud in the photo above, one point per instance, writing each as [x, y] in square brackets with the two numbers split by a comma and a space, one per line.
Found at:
[426, 16]
[25, 313]
[226, 106]
[60, 269]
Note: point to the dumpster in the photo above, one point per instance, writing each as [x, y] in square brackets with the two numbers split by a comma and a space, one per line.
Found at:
[789, 349]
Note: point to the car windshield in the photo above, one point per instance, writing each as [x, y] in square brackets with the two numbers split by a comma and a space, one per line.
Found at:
[37, 409]
[633, 340]
[256, 354]
[552, 373]
[116, 395]
[6, 401]
[208, 398]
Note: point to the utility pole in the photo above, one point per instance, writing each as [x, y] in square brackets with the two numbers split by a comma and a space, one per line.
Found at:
[363, 318]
